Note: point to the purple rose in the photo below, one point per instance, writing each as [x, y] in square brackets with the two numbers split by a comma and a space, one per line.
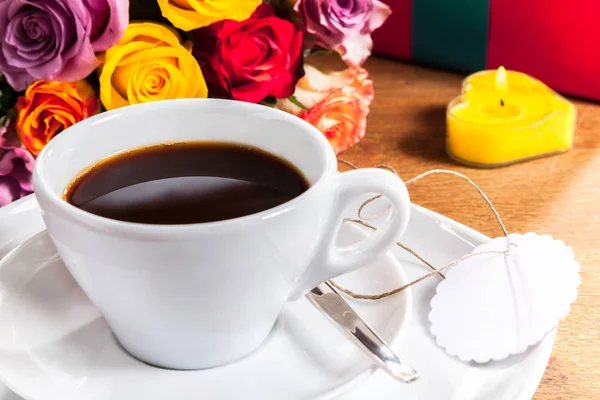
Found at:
[56, 39]
[343, 25]
[16, 166]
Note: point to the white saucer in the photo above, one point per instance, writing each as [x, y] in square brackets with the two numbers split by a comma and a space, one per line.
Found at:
[60, 370]
[52, 335]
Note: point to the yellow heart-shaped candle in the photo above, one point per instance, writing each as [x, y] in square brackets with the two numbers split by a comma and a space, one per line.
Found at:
[503, 117]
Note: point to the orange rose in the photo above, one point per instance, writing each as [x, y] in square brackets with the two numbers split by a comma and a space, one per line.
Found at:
[337, 103]
[50, 107]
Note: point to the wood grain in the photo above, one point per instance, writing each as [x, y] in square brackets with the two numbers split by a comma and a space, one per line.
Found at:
[557, 195]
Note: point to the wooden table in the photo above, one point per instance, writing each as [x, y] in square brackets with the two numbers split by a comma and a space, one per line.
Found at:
[558, 195]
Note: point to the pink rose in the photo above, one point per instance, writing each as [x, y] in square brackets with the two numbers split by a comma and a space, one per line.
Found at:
[337, 103]
[16, 166]
[343, 25]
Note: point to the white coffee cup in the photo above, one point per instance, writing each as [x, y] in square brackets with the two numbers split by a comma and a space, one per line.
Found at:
[202, 295]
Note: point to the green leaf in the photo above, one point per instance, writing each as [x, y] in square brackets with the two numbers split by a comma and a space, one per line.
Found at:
[269, 101]
[317, 50]
[297, 102]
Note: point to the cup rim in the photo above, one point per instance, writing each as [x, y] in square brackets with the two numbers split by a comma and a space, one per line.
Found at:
[58, 203]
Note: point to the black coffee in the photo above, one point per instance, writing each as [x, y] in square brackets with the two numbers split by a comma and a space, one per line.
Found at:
[184, 183]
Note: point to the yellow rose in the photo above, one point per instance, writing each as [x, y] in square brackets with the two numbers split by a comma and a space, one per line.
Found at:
[149, 63]
[193, 14]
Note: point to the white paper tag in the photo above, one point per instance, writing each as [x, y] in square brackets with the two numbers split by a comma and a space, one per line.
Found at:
[494, 305]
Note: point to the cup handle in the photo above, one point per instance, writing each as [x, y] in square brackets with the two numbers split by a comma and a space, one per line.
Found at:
[330, 260]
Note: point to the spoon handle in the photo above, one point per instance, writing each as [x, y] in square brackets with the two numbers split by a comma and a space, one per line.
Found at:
[325, 298]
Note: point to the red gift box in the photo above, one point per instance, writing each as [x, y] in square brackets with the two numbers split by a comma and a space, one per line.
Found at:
[555, 41]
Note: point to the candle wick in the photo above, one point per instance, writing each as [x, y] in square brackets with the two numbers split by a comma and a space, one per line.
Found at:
[502, 102]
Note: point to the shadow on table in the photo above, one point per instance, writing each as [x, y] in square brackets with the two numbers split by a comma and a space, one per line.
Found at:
[427, 139]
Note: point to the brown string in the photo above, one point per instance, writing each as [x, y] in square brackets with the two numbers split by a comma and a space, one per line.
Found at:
[401, 288]
[435, 271]
[408, 249]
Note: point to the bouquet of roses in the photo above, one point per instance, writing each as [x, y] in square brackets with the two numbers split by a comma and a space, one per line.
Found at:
[62, 61]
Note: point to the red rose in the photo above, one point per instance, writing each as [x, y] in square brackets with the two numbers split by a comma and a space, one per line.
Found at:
[251, 59]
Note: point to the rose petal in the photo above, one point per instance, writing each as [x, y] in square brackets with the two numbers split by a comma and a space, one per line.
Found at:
[79, 67]
[23, 176]
[193, 14]
[9, 190]
[263, 11]
[109, 20]
[26, 156]
[16, 166]
[68, 29]
[252, 92]
[355, 50]
[379, 14]
[6, 162]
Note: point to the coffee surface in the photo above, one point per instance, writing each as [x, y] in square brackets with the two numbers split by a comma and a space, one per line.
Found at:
[184, 183]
